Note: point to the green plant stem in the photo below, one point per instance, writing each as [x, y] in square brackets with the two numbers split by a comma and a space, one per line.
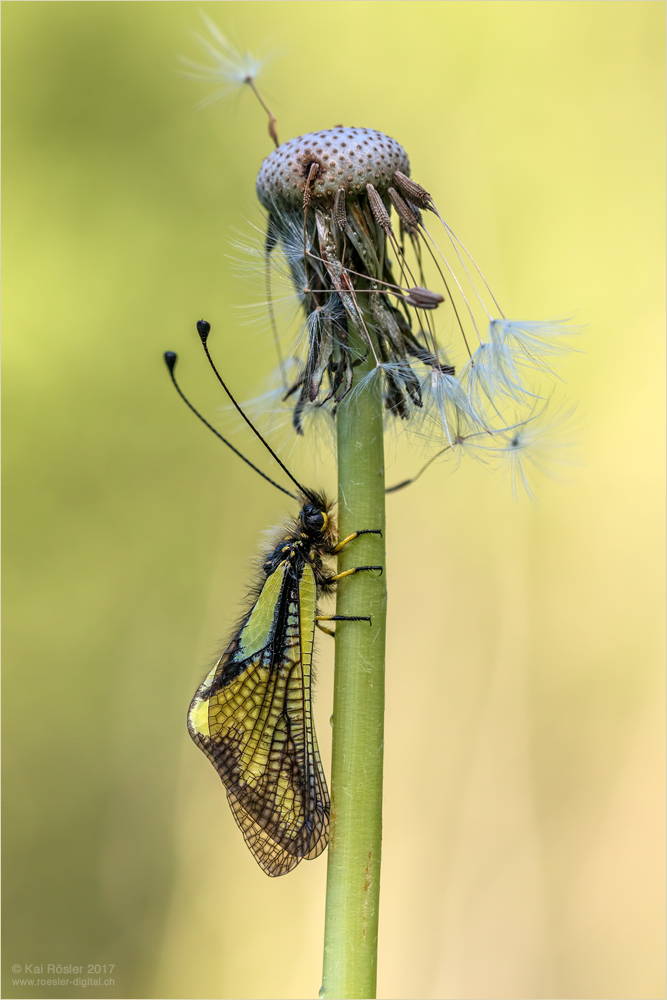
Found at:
[353, 873]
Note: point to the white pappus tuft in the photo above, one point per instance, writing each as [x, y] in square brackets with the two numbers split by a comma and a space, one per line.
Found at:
[533, 343]
[529, 447]
[492, 377]
[458, 416]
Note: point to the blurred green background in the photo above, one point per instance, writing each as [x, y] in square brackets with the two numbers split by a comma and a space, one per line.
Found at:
[524, 823]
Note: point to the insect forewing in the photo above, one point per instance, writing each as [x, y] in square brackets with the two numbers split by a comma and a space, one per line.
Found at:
[252, 717]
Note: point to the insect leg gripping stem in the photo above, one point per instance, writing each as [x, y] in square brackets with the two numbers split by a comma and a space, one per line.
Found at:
[339, 618]
[343, 618]
[351, 572]
[351, 538]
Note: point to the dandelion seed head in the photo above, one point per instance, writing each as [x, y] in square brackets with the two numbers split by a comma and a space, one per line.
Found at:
[370, 319]
[329, 197]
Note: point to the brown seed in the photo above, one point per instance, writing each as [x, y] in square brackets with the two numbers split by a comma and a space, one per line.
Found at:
[413, 191]
[339, 213]
[380, 213]
[405, 214]
[423, 298]
[272, 129]
[308, 192]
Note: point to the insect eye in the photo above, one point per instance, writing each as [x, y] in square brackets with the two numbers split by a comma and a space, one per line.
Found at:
[313, 519]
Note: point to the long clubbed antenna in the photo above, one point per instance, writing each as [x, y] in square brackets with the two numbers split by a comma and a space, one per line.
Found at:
[171, 358]
[203, 329]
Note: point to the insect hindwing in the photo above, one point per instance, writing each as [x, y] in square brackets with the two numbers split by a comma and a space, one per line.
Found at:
[252, 717]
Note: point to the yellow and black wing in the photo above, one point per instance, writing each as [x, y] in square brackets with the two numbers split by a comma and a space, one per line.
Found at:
[252, 717]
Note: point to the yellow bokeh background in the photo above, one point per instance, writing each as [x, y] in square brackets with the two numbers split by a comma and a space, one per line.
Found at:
[524, 805]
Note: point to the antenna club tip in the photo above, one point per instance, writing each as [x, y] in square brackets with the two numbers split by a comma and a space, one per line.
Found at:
[170, 358]
[203, 329]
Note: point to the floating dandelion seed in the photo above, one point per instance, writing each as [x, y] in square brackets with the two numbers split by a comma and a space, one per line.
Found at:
[230, 67]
